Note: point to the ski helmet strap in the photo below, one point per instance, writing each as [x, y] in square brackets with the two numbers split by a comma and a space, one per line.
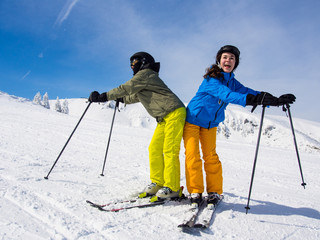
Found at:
[143, 62]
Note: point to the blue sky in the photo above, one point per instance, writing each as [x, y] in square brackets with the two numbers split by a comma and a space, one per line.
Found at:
[70, 48]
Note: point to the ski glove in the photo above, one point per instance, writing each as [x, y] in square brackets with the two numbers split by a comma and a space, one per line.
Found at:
[96, 97]
[262, 98]
[120, 100]
[286, 99]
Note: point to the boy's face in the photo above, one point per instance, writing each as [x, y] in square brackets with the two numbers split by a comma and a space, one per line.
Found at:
[136, 65]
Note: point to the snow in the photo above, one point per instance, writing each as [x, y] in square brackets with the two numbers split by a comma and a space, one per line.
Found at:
[34, 208]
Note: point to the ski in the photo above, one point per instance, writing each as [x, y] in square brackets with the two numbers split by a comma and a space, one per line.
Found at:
[153, 201]
[142, 195]
[111, 203]
[102, 207]
[207, 214]
[191, 215]
[143, 205]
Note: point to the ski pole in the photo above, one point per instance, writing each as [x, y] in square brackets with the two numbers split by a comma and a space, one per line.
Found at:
[255, 158]
[68, 140]
[105, 157]
[295, 144]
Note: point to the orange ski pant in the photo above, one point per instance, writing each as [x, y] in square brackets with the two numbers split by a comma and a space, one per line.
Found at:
[164, 150]
[192, 135]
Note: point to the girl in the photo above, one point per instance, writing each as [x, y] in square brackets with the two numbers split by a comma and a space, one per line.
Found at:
[204, 113]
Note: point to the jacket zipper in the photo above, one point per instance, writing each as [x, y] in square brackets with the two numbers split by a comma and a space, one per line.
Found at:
[215, 116]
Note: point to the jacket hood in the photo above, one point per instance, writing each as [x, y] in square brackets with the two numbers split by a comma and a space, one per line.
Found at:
[153, 66]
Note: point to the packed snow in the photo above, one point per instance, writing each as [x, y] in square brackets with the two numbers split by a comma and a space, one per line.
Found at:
[34, 208]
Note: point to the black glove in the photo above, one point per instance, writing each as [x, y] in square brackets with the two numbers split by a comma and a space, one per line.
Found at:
[286, 98]
[96, 97]
[120, 100]
[262, 98]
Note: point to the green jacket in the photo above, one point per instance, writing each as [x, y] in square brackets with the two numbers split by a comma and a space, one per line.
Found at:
[146, 87]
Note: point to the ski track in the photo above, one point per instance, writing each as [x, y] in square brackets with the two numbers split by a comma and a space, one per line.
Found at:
[34, 208]
[49, 212]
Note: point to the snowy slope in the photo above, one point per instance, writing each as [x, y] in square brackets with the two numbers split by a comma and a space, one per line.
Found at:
[34, 208]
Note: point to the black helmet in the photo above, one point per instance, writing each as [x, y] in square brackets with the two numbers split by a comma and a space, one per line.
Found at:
[143, 60]
[144, 56]
[230, 49]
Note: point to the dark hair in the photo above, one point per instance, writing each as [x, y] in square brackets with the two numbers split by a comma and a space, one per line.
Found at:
[214, 71]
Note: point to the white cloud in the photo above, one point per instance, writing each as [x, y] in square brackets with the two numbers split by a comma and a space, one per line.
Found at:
[64, 13]
[24, 76]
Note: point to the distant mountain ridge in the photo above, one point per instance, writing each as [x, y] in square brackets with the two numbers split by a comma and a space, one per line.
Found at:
[276, 131]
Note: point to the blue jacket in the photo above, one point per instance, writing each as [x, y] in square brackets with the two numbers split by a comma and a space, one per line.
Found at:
[206, 108]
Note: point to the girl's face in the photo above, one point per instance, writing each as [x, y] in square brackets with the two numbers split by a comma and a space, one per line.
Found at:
[227, 62]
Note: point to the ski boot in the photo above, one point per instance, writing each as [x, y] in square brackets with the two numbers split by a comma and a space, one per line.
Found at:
[213, 198]
[165, 193]
[196, 199]
[150, 190]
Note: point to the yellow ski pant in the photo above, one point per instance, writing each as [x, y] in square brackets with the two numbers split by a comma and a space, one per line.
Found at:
[164, 150]
[194, 177]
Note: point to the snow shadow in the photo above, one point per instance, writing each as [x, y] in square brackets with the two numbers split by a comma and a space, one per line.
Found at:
[259, 207]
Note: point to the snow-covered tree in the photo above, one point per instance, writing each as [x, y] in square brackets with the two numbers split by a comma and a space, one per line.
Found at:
[45, 101]
[37, 99]
[58, 105]
[65, 108]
